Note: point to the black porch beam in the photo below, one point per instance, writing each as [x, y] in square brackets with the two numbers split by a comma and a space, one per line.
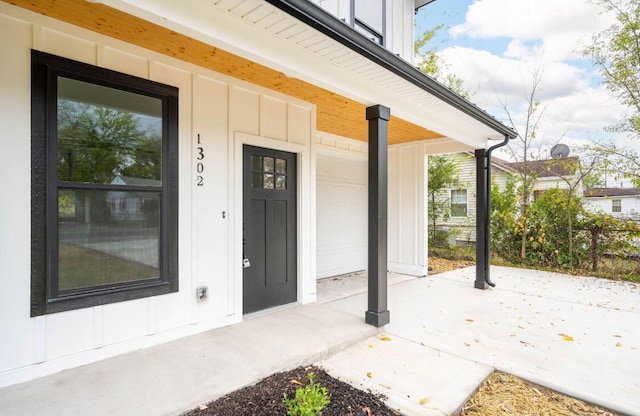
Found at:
[377, 313]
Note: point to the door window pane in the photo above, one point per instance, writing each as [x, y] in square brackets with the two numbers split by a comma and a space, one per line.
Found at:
[256, 180]
[281, 182]
[268, 181]
[256, 162]
[281, 166]
[268, 164]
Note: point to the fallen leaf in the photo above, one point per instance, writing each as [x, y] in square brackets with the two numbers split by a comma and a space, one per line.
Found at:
[386, 386]
[296, 382]
[424, 401]
[567, 337]
[467, 344]
[384, 337]
[370, 346]
[369, 374]
[469, 320]
[618, 345]
[617, 336]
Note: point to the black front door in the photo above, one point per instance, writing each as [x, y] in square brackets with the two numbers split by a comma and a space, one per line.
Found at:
[269, 228]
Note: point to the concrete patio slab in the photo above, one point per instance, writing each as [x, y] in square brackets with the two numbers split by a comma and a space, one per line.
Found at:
[345, 285]
[418, 381]
[177, 376]
[576, 335]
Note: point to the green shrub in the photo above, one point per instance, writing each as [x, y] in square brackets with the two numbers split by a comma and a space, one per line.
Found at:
[309, 400]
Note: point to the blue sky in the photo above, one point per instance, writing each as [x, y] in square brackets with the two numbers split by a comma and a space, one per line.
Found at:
[496, 45]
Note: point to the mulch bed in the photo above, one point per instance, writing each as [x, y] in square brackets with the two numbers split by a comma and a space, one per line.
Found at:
[265, 397]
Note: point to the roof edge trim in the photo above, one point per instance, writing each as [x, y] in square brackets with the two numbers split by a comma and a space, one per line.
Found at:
[327, 24]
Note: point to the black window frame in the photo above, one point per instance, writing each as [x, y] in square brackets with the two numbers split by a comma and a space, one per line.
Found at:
[45, 70]
[361, 26]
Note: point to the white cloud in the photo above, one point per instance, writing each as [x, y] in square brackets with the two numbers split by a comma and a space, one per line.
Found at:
[575, 110]
[545, 34]
[555, 26]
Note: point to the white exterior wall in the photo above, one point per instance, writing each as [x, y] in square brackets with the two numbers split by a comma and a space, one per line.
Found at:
[226, 113]
[630, 205]
[407, 213]
[546, 183]
[399, 36]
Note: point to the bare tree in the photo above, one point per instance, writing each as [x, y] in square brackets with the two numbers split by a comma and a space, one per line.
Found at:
[522, 153]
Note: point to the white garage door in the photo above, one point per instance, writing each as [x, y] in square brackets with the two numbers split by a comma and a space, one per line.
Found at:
[341, 196]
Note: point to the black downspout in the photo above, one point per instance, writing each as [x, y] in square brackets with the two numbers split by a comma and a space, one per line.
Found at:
[483, 226]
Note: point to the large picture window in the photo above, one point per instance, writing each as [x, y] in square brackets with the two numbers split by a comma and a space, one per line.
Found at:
[104, 186]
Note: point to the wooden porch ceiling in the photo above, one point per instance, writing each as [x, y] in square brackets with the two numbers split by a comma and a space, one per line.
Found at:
[336, 114]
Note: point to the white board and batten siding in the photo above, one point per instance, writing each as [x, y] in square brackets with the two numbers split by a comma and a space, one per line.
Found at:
[407, 222]
[226, 113]
[399, 36]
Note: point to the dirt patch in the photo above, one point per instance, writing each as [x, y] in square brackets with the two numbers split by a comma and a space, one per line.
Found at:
[503, 394]
[440, 265]
[265, 397]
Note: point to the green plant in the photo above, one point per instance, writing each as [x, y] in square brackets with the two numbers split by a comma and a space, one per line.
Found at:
[309, 400]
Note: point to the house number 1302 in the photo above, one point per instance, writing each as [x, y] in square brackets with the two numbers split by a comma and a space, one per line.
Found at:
[199, 164]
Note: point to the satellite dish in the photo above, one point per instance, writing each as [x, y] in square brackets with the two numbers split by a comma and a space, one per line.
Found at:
[559, 151]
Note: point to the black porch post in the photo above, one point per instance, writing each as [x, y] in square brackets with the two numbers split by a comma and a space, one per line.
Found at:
[377, 313]
[482, 245]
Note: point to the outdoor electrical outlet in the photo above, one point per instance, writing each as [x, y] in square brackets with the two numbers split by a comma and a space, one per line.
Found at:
[202, 292]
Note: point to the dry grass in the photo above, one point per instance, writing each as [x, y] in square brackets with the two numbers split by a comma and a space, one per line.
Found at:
[503, 394]
[440, 265]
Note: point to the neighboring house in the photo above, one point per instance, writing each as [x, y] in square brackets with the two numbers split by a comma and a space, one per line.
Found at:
[619, 202]
[549, 173]
[552, 173]
[264, 111]
[462, 199]
[131, 206]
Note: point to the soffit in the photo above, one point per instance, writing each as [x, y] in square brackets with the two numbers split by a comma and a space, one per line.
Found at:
[256, 42]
